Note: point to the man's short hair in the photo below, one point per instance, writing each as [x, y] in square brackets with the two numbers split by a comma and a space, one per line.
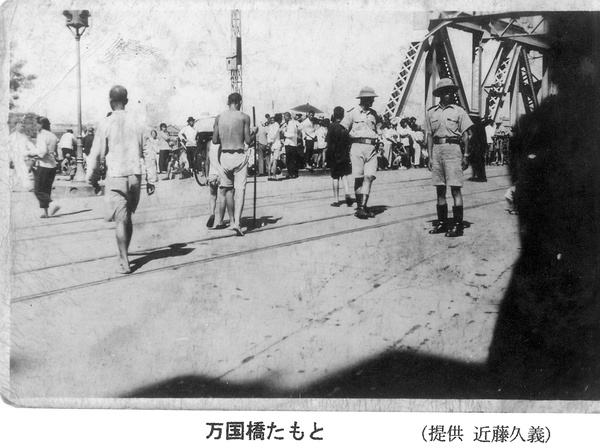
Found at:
[44, 122]
[338, 112]
[163, 125]
[234, 98]
[118, 94]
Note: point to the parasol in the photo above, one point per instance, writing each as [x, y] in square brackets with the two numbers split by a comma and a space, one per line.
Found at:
[305, 108]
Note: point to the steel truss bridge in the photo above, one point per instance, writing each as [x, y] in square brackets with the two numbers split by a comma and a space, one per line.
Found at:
[521, 38]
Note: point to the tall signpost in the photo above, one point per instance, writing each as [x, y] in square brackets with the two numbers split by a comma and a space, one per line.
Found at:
[77, 22]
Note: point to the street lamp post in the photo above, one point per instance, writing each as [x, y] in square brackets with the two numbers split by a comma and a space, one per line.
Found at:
[77, 22]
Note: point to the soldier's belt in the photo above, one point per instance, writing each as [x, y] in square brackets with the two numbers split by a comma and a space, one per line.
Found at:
[442, 140]
[364, 140]
[233, 151]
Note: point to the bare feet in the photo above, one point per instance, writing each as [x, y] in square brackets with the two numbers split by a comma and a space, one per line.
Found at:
[237, 230]
[123, 266]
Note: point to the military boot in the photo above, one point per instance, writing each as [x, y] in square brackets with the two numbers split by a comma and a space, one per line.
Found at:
[458, 228]
[442, 226]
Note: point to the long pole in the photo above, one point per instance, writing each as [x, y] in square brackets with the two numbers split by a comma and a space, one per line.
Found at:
[79, 175]
[255, 165]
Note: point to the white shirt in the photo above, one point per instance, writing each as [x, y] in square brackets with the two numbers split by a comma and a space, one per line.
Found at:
[321, 133]
[45, 148]
[290, 133]
[261, 135]
[163, 140]
[67, 140]
[308, 129]
[405, 134]
[489, 133]
[20, 148]
[188, 135]
[273, 135]
[124, 137]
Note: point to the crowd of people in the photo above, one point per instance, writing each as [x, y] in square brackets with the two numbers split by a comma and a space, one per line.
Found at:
[352, 145]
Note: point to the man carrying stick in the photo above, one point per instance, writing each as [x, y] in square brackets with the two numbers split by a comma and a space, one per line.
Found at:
[231, 131]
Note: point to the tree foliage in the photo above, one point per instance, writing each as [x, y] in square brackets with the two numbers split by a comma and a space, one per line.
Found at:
[18, 81]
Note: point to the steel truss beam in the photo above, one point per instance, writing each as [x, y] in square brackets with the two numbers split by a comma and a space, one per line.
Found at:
[447, 67]
[519, 32]
[401, 90]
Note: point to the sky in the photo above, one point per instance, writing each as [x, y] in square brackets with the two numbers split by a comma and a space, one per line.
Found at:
[171, 55]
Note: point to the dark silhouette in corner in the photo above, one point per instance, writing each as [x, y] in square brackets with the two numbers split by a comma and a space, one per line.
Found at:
[547, 335]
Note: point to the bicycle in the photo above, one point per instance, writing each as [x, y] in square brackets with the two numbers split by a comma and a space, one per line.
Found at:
[174, 165]
[201, 164]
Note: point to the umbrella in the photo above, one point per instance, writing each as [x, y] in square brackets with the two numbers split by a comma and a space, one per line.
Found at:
[305, 108]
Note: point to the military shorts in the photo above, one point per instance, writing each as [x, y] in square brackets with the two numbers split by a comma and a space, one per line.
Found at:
[364, 159]
[447, 165]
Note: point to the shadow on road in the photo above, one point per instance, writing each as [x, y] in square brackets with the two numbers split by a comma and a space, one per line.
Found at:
[391, 375]
[378, 209]
[174, 250]
[263, 221]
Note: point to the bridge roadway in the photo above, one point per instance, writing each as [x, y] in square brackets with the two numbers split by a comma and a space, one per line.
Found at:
[312, 302]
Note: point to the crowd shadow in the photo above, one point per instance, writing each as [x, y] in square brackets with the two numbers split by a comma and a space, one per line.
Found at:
[174, 250]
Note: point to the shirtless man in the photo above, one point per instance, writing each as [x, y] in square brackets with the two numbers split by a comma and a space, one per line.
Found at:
[121, 133]
[231, 131]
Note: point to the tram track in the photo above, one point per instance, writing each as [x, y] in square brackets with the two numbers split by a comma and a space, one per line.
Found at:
[197, 214]
[249, 196]
[221, 236]
[241, 253]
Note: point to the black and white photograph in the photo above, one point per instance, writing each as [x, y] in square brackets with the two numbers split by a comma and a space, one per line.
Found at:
[332, 206]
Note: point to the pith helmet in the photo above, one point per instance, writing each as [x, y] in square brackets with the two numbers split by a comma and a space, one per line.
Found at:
[444, 84]
[367, 92]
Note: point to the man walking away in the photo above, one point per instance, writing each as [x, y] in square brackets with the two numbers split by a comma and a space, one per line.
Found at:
[232, 131]
[338, 156]
[45, 148]
[119, 142]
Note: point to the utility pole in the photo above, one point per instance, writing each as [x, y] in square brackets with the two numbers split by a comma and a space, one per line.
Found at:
[234, 63]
